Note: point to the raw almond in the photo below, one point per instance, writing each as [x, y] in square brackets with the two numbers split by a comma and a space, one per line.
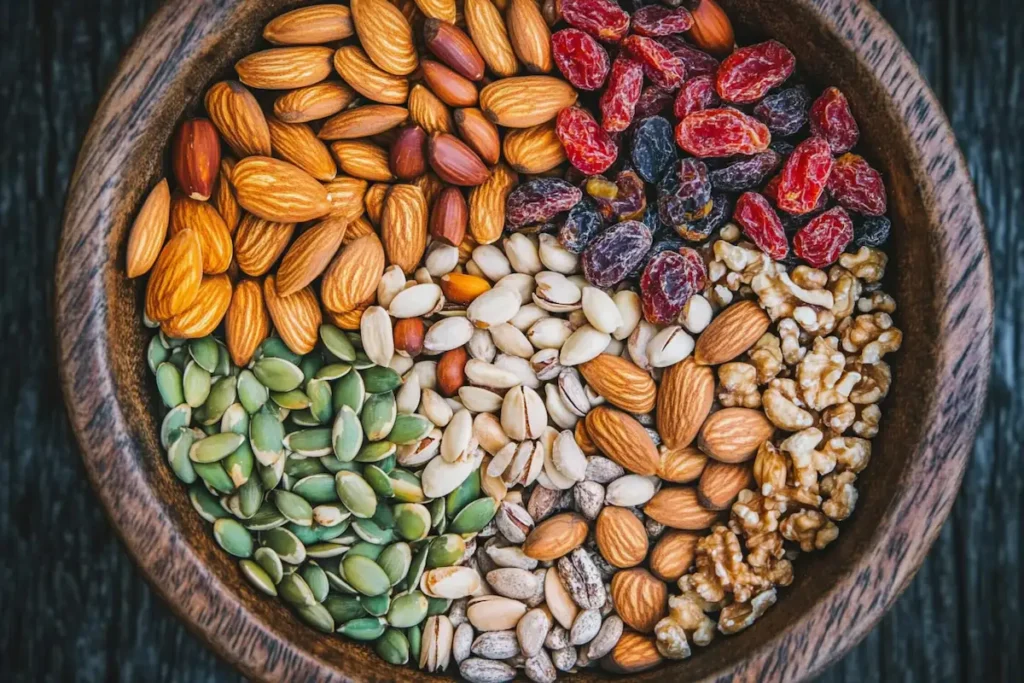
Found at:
[685, 396]
[247, 323]
[731, 333]
[734, 434]
[239, 118]
[583, 439]
[367, 79]
[346, 196]
[360, 227]
[360, 122]
[224, 197]
[204, 313]
[352, 277]
[284, 68]
[454, 161]
[633, 653]
[448, 217]
[428, 111]
[309, 255]
[452, 46]
[556, 536]
[310, 26]
[259, 243]
[452, 88]
[640, 598]
[296, 143]
[487, 204]
[174, 281]
[278, 191]
[213, 234]
[375, 201]
[362, 159]
[529, 35]
[534, 150]
[622, 439]
[348, 320]
[525, 101]
[621, 383]
[149, 230]
[477, 131]
[678, 507]
[430, 185]
[490, 36]
[462, 288]
[403, 226]
[296, 317]
[314, 102]
[681, 465]
[712, 31]
[444, 10]
[721, 483]
[620, 537]
[386, 35]
[195, 157]
[673, 554]
[407, 156]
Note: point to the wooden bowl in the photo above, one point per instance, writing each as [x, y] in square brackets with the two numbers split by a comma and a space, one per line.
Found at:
[940, 276]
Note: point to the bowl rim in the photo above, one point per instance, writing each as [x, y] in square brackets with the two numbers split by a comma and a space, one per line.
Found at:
[85, 260]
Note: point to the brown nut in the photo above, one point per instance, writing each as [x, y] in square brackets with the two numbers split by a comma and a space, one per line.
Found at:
[449, 216]
[409, 333]
[454, 161]
[452, 46]
[195, 156]
[451, 371]
[451, 88]
[479, 133]
[407, 156]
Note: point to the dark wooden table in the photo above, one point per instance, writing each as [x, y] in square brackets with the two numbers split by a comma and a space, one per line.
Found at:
[72, 605]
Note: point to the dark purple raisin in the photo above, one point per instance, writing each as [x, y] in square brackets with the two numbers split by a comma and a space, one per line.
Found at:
[654, 149]
[660, 244]
[668, 282]
[747, 173]
[783, 148]
[721, 212]
[613, 254]
[785, 112]
[684, 194]
[651, 219]
[583, 224]
[539, 201]
[871, 231]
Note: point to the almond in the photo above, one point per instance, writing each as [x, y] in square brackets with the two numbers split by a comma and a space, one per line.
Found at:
[556, 536]
[452, 88]
[583, 439]
[348, 320]
[346, 196]
[622, 439]
[360, 122]
[224, 197]
[685, 396]
[247, 323]
[310, 26]
[360, 227]
[454, 162]
[296, 143]
[734, 331]
[386, 35]
[534, 150]
[620, 537]
[409, 333]
[487, 29]
[367, 79]
[309, 255]
[205, 312]
[314, 102]
[479, 133]
[526, 101]
[278, 191]
[149, 230]
[678, 507]
[451, 371]
[407, 156]
[445, 10]
[462, 288]
[362, 159]
[259, 243]
[284, 68]
[721, 483]
[213, 234]
[734, 434]
[633, 653]
[375, 201]
[239, 118]
[487, 204]
[448, 217]
[529, 35]
[195, 157]
[453, 47]
[403, 226]
[352, 277]
[639, 597]
[712, 31]
[174, 281]
[428, 111]
[673, 554]
[681, 465]
[296, 317]
[622, 383]
[430, 185]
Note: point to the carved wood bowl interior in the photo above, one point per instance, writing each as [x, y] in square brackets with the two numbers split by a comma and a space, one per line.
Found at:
[939, 272]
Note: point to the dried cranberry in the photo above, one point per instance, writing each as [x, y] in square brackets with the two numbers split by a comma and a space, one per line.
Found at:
[581, 226]
[747, 173]
[602, 19]
[668, 282]
[610, 257]
[832, 119]
[697, 62]
[785, 112]
[684, 194]
[722, 133]
[539, 200]
[587, 146]
[821, 241]
[618, 102]
[697, 94]
[580, 58]
[804, 176]
[662, 67]
[653, 148]
[857, 186]
[761, 224]
[750, 72]
[871, 231]
[661, 21]
[622, 200]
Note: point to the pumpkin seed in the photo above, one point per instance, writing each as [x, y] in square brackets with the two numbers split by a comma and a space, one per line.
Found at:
[316, 488]
[235, 419]
[437, 606]
[169, 384]
[303, 418]
[474, 516]
[214, 475]
[176, 418]
[362, 361]
[232, 537]
[178, 358]
[406, 486]
[251, 393]
[414, 634]
[195, 384]
[319, 393]
[384, 517]
[286, 544]
[339, 584]
[367, 549]
[366, 628]
[378, 481]
[266, 434]
[177, 455]
[224, 364]
[365, 575]
[310, 364]
[205, 352]
[371, 532]
[215, 448]
[412, 520]
[317, 616]
[326, 550]
[250, 497]
[346, 434]
[308, 534]
[239, 463]
[408, 610]
[222, 394]
[344, 608]
[388, 463]
[355, 494]
[376, 451]
[295, 399]
[378, 416]
[466, 493]
[266, 518]
[316, 579]
[409, 429]
[377, 605]
[295, 591]
[418, 565]
[205, 503]
[258, 577]
[300, 468]
[270, 562]
[349, 391]
[280, 414]
[274, 347]
[395, 561]
[379, 379]
[277, 374]
[393, 647]
[445, 550]
[337, 343]
[295, 508]
[271, 475]
[311, 443]
[330, 514]
[333, 371]
[156, 353]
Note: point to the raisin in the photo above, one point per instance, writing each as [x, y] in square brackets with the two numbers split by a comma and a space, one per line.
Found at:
[539, 200]
[651, 219]
[785, 112]
[804, 176]
[668, 282]
[684, 194]
[653, 148]
[750, 72]
[761, 224]
[698, 231]
[618, 102]
[697, 94]
[821, 241]
[660, 244]
[872, 231]
[602, 19]
[857, 186]
[783, 148]
[653, 101]
[661, 21]
[580, 58]
[610, 256]
[747, 173]
[587, 146]
[832, 119]
[623, 199]
[662, 67]
[583, 224]
[722, 133]
[697, 62]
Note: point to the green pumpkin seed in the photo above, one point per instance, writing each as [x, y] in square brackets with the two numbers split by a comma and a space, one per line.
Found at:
[270, 562]
[274, 347]
[365, 575]
[300, 468]
[409, 429]
[179, 358]
[406, 486]
[295, 399]
[344, 608]
[250, 497]
[310, 364]
[437, 508]
[355, 494]
[233, 537]
[412, 520]
[379, 379]
[333, 371]
[317, 616]
[333, 465]
[408, 610]
[316, 579]
[378, 416]
[326, 550]
[205, 503]
[251, 393]
[258, 577]
[239, 464]
[445, 550]
[295, 508]
[266, 435]
[195, 384]
[177, 456]
[178, 417]
[437, 606]
[371, 532]
[330, 514]
[337, 343]
[388, 463]
[266, 518]
[349, 391]
[416, 568]
[474, 516]
[414, 634]
[171, 342]
[286, 544]
[376, 605]
[395, 561]
[384, 517]
[279, 413]
[169, 384]
[215, 448]
[346, 434]
[209, 429]
[295, 591]
[362, 361]
[277, 374]
[271, 475]
[378, 481]
[367, 628]
[393, 647]
[308, 534]
[156, 353]
[224, 365]
[235, 419]
[316, 488]
[205, 352]
[222, 395]
[466, 493]
[303, 418]
[214, 475]
[367, 549]
[376, 451]
[311, 443]
[319, 393]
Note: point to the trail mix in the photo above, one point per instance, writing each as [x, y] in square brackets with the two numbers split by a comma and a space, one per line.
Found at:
[546, 338]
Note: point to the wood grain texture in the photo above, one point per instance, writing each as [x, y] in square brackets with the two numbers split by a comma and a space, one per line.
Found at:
[74, 606]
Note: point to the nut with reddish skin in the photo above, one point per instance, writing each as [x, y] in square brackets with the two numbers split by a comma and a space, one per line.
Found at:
[712, 31]
[722, 133]
[761, 224]
[407, 157]
[668, 282]
[588, 147]
[580, 58]
[479, 133]
[602, 19]
[618, 101]
[195, 156]
[821, 241]
[454, 161]
[409, 334]
[857, 186]
[452, 46]
[451, 371]
[656, 21]
[832, 119]
[662, 67]
[697, 94]
[750, 72]
[449, 216]
[451, 87]
[804, 176]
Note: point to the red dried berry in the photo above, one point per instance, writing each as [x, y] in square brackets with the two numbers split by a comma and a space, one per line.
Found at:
[761, 224]
[618, 101]
[610, 257]
[857, 186]
[722, 133]
[668, 282]
[655, 20]
[697, 94]
[662, 67]
[697, 62]
[750, 72]
[580, 58]
[602, 19]
[832, 119]
[821, 241]
[539, 200]
[653, 101]
[771, 190]
[804, 177]
[587, 146]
